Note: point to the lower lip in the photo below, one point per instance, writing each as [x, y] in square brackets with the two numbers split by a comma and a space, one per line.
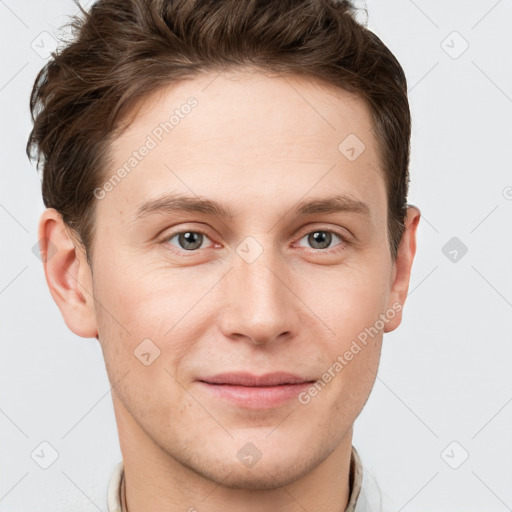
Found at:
[256, 397]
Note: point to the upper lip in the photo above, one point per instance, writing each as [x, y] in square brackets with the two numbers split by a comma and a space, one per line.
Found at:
[248, 379]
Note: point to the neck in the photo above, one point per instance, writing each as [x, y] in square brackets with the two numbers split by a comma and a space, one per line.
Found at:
[155, 480]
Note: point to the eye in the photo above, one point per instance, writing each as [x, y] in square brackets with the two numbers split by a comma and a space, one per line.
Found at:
[321, 239]
[187, 240]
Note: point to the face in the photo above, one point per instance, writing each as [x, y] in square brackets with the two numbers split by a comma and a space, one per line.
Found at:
[245, 238]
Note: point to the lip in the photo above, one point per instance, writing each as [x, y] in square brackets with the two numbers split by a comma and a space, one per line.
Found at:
[249, 379]
[255, 392]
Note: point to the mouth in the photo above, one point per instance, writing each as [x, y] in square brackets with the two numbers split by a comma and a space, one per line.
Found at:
[255, 392]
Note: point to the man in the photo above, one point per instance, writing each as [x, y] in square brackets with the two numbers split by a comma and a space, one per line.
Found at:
[226, 188]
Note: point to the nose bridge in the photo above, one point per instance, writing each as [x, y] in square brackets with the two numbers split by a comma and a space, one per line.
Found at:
[260, 305]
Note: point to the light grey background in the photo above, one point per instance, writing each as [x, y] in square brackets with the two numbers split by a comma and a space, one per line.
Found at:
[445, 373]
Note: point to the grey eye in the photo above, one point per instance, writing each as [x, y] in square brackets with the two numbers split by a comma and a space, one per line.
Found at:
[188, 240]
[320, 239]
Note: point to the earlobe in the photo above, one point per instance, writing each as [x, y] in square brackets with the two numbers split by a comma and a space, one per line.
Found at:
[68, 274]
[402, 267]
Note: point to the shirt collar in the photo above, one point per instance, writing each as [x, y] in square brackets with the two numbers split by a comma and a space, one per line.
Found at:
[115, 485]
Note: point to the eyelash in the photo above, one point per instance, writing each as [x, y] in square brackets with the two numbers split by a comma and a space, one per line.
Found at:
[337, 248]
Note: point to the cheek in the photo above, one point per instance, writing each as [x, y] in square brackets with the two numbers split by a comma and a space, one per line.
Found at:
[143, 301]
[139, 332]
[352, 301]
[137, 303]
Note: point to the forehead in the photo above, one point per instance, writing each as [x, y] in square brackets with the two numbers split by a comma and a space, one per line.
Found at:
[246, 131]
[240, 102]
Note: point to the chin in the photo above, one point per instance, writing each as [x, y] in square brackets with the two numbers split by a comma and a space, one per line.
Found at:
[259, 479]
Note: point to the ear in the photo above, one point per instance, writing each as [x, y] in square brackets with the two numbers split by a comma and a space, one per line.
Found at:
[402, 268]
[68, 274]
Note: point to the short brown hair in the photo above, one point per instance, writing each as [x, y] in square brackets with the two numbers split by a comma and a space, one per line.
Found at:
[123, 50]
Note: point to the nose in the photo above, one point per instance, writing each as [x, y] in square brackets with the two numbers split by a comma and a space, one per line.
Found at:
[259, 304]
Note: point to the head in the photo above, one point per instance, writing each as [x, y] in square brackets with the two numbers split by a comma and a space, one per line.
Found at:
[226, 190]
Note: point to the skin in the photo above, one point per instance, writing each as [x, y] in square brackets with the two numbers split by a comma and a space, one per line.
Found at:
[259, 145]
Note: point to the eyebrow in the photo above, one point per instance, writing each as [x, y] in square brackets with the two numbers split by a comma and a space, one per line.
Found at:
[339, 203]
[181, 203]
[177, 203]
